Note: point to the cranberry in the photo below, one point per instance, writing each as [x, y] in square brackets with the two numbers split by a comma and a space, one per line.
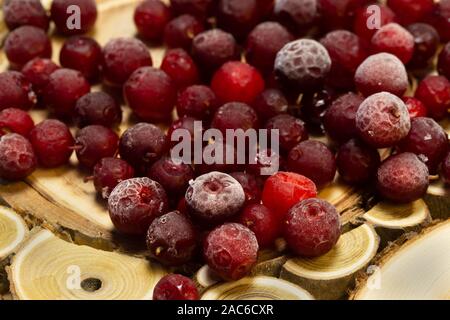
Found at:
[16, 91]
[312, 227]
[172, 176]
[52, 142]
[121, 57]
[415, 107]
[83, 54]
[108, 172]
[61, 15]
[381, 72]
[251, 185]
[180, 67]
[426, 42]
[382, 120]
[393, 38]
[235, 115]
[196, 101]
[26, 43]
[357, 163]
[18, 13]
[339, 14]
[444, 61]
[266, 163]
[410, 11]
[270, 103]
[291, 130]
[297, 15]
[263, 44]
[313, 106]
[446, 169]
[231, 250]
[175, 287]
[64, 88]
[440, 19]
[151, 94]
[142, 145]
[37, 72]
[17, 158]
[284, 189]
[364, 15]
[434, 92]
[97, 108]
[135, 203]
[198, 8]
[339, 118]
[402, 178]
[302, 65]
[151, 17]
[180, 32]
[237, 17]
[15, 121]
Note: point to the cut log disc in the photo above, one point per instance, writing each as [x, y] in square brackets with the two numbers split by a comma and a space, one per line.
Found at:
[257, 288]
[13, 231]
[330, 276]
[47, 267]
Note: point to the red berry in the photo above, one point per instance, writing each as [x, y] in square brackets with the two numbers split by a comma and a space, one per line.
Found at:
[180, 32]
[444, 61]
[175, 287]
[97, 108]
[197, 101]
[18, 13]
[426, 42]
[108, 172]
[38, 71]
[172, 176]
[440, 19]
[52, 142]
[363, 16]
[235, 115]
[415, 107]
[198, 8]
[17, 158]
[231, 250]
[151, 17]
[339, 14]
[270, 103]
[410, 11]
[393, 38]
[266, 163]
[16, 91]
[180, 67]
[292, 131]
[61, 15]
[297, 15]
[434, 92]
[312, 228]
[15, 121]
[135, 203]
[183, 123]
[237, 17]
[446, 169]
[251, 185]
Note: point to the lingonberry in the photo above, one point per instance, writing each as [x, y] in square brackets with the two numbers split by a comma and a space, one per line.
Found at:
[25, 43]
[180, 67]
[214, 197]
[266, 163]
[393, 38]
[415, 107]
[198, 8]
[142, 145]
[410, 11]
[108, 173]
[313, 106]
[402, 178]
[382, 120]
[365, 14]
[339, 119]
[175, 287]
[94, 142]
[19, 13]
[237, 17]
[270, 103]
[381, 72]
[263, 222]
[121, 57]
[426, 42]
[135, 203]
[17, 158]
[151, 17]
[251, 185]
[97, 108]
[263, 44]
[296, 15]
[312, 227]
[434, 92]
[62, 16]
[302, 65]
[37, 72]
[174, 177]
[151, 94]
[180, 31]
[231, 250]
[291, 130]
[197, 101]
[235, 115]
[172, 239]
[64, 88]
[444, 61]
[52, 142]
[446, 169]
[338, 14]
[83, 54]
[16, 121]
[284, 189]
[16, 91]
[357, 162]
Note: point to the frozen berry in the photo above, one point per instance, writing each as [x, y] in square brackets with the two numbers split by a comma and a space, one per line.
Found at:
[338, 14]
[15, 121]
[180, 67]
[357, 163]
[26, 43]
[266, 163]
[444, 61]
[402, 178]
[292, 131]
[197, 101]
[16, 91]
[108, 172]
[364, 22]
[446, 169]
[37, 72]
[297, 15]
[64, 88]
[151, 17]
[175, 287]
[97, 108]
[62, 13]
[121, 57]
[284, 189]
[270, 103]
[237, 17]
[17, 158]
[312, 228]
[174, 177]
[415, 107]
[180, 32]
[235, 115]
[18, 13]
[135, 203]
[52, 142]
[410, 11]
[382, 120]
[426, 42]
[381, 72]
[231, 250]
[434, 92]
[198, 8]
[251, 185]
[172, 239]
[83, 54]
[393, 38]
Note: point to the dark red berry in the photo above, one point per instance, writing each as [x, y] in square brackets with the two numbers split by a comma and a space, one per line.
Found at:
[446, 169]
[174, 177]
[364, 18]
[180, 67]
[62, 15]
[97, 108]
[16, 91]
[338, 14]
[38, 71]
[17, 158]
[235, 115]
[231, 250]
[415, 107]
[270, 103]
[237, 17]
[198, 8]
[197, 101]
[135, 203]
[402, 178]
[313, 106]
[393, 38]
[312, 227]
[266, 163]
[444, 61]
[175, 287]
[180, 31]
[251, 185]
[434, 92]
[15, 121]
[410, 11]
[182, 124]
[52, 142]
[426, 42]
[440, 19]
[291, 130]
[108, 173]
[18, 13]
[151, 17]
[297, 15]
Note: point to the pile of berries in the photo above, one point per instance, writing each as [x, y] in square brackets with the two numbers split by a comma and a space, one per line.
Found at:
[311, 67]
